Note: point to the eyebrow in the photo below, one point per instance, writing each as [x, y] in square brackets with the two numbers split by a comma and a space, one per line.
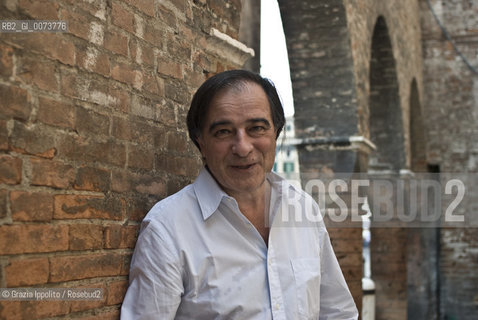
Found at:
[226, 122]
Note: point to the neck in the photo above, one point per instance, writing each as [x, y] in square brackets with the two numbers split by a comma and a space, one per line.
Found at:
[255, 207]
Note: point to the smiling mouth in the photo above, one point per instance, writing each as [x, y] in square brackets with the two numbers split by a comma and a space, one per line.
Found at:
[244, 167]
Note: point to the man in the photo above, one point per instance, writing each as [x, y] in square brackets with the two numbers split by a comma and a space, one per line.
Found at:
[209, 251]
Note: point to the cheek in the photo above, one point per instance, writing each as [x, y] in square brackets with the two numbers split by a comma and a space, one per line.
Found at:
[215, 151]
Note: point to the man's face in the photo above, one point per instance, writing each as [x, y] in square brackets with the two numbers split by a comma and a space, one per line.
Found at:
[238, 139]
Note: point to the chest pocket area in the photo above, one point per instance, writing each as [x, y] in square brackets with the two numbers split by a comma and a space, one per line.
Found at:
[307, 282]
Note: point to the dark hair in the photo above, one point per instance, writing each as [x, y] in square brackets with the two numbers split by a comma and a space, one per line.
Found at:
[227, 79]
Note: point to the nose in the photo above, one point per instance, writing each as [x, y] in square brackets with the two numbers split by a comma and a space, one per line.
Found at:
[242, 145]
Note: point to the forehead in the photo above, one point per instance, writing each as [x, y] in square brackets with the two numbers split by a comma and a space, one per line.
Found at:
[244, 99]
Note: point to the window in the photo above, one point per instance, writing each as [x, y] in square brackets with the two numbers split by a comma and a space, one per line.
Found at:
[288, 167]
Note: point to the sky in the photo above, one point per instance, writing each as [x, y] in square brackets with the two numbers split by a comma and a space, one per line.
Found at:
[274, 62]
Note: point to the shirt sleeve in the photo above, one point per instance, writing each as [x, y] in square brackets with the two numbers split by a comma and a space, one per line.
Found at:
[155, 281]
[336, 302]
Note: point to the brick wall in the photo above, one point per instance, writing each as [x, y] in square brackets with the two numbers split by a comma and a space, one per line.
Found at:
[92, 133]
[330, 54]
[451, 104]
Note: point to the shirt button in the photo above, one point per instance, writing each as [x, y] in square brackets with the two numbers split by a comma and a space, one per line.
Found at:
[277, 306]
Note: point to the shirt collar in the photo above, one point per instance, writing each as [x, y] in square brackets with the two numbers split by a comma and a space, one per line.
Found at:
[208, 193]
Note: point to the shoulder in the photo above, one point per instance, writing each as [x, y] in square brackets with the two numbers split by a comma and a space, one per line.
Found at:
[171, 211]
[291, 190]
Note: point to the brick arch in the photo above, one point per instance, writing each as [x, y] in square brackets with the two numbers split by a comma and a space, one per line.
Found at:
[321, 67]
[418, 145]
[388, 245]
[323, 85]
[385, 114]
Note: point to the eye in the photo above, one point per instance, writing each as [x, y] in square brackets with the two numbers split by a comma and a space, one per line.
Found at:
[221, 133]
[257, 129]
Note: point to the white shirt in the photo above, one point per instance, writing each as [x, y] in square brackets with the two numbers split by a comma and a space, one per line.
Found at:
[197, 257]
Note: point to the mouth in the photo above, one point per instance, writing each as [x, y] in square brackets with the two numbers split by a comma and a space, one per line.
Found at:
[243, 167]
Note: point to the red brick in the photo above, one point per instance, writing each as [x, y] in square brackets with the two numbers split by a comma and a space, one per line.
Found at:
[116, 43]
[78, 24]
[70, 206]
[152, 84]
[94, 8]
[166, 115]
[70, 83]
[14, 102]
[86, 237]
[41, 74]
[142, 53]
[82, 149]
[181, 166]
[39, 9]
[51, 44]
[92, 179]
[138, 206]
[154, 36]
[28, 206]
[177, 91]
[142, 133]
[33, 140]
[3, 135]
[126, 265]
[81, 305]
[143, 107]
[178, 48]
[134, 129]
[120, 237]
[195, 78]
[346, 245]
[3, 203]
[170, 68]
[67, 268]
[167, 16]
[121, 181]
[90, 122]
[10, 169]
[121, 128]
[78, 85]
[148, 184]
[349, 259]
[116, 291]
[140, 157]
[102, 315]
[56, 113]
[145, 6]
[17, 239]
[6, 60]
[122, 17]
[126, 74]
[19, 310]
[177, 141]
[51, 173]
[203, 61]
[160, 140]
[93, 60]
[26, 272]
